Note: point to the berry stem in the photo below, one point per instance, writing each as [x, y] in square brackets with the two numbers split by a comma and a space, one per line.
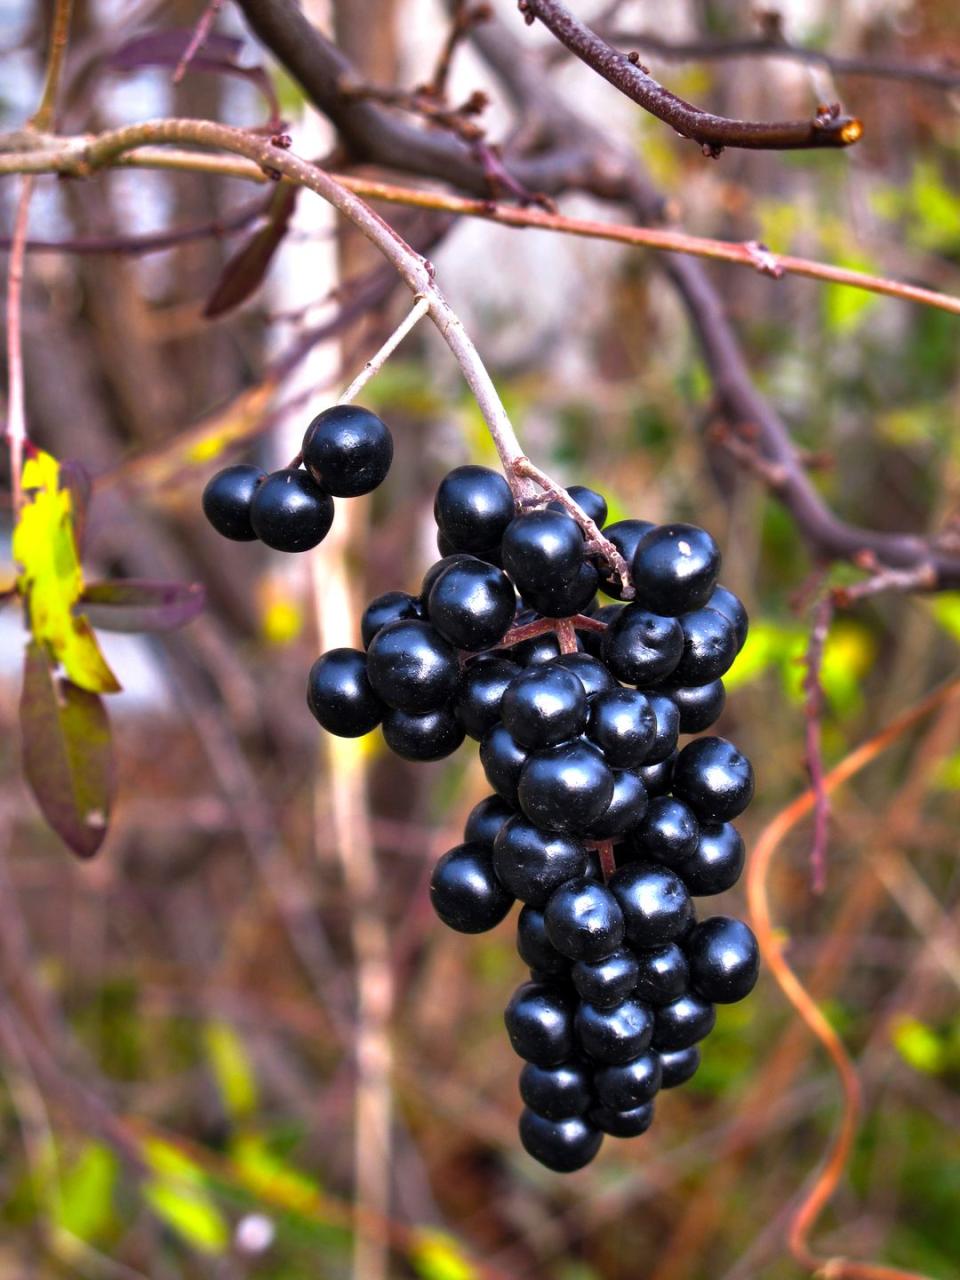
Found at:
[377, 361]
[544, 626]
[566, 635]
[608, 863]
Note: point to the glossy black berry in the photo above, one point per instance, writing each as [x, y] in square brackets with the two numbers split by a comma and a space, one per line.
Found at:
[656, 907]
[717, 861]
[714, 778]
[592, 640]
[535, 948]
[531, 863]
[412, 667]
[472, 605]
[675, 568]
[565, 788]
[541, 548]
[392, 606]
[482, 685]
[667, 718]
[662, 974]
[543, 706]
[432, 735]
[623, 725]
[485, 821]
[668, 834]
[591, 672]
[724, 959]
[584, 920]
[607, 982]
[441, 566]
[614, 1035]
[473, 507]
[622, 1124]
[340, 696]
[731, 606]
[623, 1086]
[709, 647]
[348, 450]
[698, 706]
[640, 647]
[227, 499]
[626, 809]
[556, 1092]
[531, 653]
[290, 512]
[590, 502]
[465, 891]
[564, 599]
[658, 778]
[625, 535]
[503, 759]
[539, 1021]
[561, 1145]
[682, 1022]
[677, 1066]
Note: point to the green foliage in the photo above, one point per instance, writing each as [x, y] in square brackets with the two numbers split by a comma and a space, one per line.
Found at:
[176, 1193]
[434, 1255]
[84, 1206]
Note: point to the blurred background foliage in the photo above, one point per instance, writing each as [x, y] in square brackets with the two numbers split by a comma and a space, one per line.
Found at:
[179, 1017]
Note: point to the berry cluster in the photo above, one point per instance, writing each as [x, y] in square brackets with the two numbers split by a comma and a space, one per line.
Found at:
[346, 451]
[600, 824]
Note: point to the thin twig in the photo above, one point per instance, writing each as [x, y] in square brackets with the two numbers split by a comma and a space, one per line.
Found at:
[16, 411]
[200, 33]
[816, 1198]
[813, 750]
[828, 128]
[45, 115]
[377, 361]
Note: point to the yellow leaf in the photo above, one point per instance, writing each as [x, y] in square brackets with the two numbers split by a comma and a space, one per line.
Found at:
[51, 579]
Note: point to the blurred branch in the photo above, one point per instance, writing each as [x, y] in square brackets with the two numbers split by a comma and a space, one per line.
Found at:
[942, 75]
[16, 412]
[45, 115]
[813, 712]
[828, 128]
[198, 38]
[815, 1200]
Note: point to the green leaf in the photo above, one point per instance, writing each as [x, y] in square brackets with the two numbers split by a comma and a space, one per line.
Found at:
[434, 1255]
[51, 580]
[67, 754]
[84, 1207]
[178, 1197]
[231, 1069]
[918, 1045]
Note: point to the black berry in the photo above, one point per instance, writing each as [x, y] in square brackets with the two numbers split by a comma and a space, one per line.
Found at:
[724, 959]
[562, 1145]
[465, 892]
[347, 450]
[392, 606]
[473, 507]
[714, 778]
[543, 706]
[584, 920]
[556, 1092]
[539, 1021]
[675, 568]
[532, 863]
[431, 735]
[340, 696]
[412, 667]
[656, 907]
[290, 512]
[227, 499]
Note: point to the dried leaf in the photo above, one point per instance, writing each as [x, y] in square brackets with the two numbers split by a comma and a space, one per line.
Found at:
[139, 605]
[67, 754]
[243, 274]
[51, 579]
[218, 54]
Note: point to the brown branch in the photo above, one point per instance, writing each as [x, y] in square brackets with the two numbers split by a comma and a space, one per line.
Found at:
[943, 75]
[465, 17]
[828, 128]
[813, 751]
[45, 114]
[198, 39]
[16, 431]
[816, 1198]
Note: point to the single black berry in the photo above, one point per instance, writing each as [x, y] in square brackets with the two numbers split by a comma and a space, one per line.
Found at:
[535, 948]
[675, 568]
[532, 863]
[626, 809]
[709, 647]
[472, 605]
[698, 706]
[441, 566]
[562, 1145]
[668, 834]
[677, 1066]
[473, 507]
[465, 892]
[412, 667]
[431, 735]
[227, 499]
[662, 974]
[347, 450]
[623, 1086]
[539, 1021]
[717, 861]
[541, 548]
[392, 606]
[655, 904]
[591, 672]
[724, 959]
[566, 788]
[503, 759]
[584, 920]
[731, 606]
[290, 512]
[564, 599]
[623, 725]
[714, 778]
[483, 682]
[340, 696]
[667, 717]
[640, 647]
[622, 1124]
[658, 778]
[543, 706]
[485, 821]
[607, 982]
[682, 1022]
[556, 1092]
[614, 1035]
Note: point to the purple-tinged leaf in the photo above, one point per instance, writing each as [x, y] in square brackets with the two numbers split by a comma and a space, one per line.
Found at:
[243, 273]
[218, 54]
[75, 477]
[137, 605]
[67, 754]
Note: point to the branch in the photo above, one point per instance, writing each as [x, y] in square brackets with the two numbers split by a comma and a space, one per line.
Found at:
[16, 412]
[828, 128]
[943, 75]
